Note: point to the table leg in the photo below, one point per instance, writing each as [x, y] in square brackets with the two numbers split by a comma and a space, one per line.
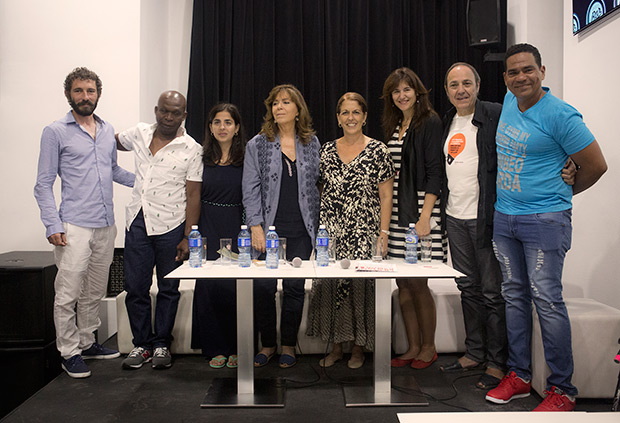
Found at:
[247, 392]
[245, 337]
[383, 338]
[381, 392]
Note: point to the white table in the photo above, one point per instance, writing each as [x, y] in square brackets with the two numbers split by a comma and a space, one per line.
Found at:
[270, 393]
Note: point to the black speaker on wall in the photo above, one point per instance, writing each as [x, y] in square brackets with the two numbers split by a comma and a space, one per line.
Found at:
[486, 23]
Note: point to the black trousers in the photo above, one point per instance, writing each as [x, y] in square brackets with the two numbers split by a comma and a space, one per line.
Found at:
[292, 300]
[481, 297]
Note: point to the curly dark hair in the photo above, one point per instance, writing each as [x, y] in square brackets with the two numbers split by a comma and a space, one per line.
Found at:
[392, 115]
[212, 153]
[303, 125]
[83, 74]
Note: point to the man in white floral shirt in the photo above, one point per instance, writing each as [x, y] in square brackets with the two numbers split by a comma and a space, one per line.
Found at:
[165, 204]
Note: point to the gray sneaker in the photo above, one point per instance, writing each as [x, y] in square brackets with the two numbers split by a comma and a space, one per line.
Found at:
[136, 358]
[162, 358]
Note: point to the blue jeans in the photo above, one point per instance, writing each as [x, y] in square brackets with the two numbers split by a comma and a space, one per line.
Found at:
[531, 250]
[142, 252]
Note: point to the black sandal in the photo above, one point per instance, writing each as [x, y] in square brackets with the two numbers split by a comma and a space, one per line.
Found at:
[487, 381]
[456, 367]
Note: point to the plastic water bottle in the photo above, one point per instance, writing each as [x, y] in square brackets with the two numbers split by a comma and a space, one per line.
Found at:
[322, 247]
[272, 242]
[411, 245]
[195, 247]
[244, 243]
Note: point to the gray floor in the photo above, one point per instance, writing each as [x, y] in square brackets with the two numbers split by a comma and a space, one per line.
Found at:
[146, 395]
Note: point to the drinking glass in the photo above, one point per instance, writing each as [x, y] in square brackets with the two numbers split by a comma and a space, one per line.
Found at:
[225, 250]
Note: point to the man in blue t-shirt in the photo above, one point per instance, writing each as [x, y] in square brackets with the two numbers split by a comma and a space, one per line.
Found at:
[536, 134]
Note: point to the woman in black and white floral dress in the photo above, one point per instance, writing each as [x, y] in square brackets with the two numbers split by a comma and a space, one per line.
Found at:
[356, 175]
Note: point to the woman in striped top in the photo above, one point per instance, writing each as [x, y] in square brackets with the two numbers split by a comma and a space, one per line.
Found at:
[414, 132]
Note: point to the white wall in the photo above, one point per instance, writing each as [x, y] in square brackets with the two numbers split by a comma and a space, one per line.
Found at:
[587, 68]
[164, 50]
[126, 42]
[591, 64]
[540, 23]
[142, 48]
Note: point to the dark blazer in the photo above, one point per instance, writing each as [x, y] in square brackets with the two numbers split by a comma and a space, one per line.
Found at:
[486, 118]
[421, 168]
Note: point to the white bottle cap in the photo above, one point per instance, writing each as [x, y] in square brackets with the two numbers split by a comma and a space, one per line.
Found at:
[194, 227]
[243, 227]
[272, 228]
[321, 226]
[412, 225]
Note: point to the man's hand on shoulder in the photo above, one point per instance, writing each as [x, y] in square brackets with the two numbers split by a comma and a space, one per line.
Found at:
[119, 145]
[58, 239]
[182, 250]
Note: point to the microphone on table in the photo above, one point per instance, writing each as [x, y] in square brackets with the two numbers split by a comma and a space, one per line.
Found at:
[296, 262]
[345, 263]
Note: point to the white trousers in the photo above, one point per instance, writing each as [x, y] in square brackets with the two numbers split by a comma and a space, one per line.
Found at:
[80, 285]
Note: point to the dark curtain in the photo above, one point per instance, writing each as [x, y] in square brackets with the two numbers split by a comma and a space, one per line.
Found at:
[243, 48]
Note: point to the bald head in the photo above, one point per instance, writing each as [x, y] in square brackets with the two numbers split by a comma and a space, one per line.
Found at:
[170, 113]
[172, 96]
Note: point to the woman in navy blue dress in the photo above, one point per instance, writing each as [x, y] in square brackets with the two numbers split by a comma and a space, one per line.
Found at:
[214, 327]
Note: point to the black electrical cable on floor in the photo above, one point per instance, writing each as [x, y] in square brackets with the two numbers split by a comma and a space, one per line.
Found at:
[443, 401]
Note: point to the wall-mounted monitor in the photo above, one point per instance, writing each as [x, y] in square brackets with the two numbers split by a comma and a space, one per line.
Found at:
[588, 12]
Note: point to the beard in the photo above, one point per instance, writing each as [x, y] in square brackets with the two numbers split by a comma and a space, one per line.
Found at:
[84, 108]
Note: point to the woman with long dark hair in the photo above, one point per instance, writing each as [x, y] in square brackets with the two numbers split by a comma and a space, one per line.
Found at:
[413, 133]
[214, 328]
[279, 188]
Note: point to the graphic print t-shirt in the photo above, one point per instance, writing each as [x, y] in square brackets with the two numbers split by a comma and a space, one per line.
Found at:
[532, 148]
[461, 154]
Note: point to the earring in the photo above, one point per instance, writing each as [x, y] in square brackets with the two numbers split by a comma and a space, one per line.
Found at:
[296, 118]
[236, 133]
[339, 125]
[364, 124]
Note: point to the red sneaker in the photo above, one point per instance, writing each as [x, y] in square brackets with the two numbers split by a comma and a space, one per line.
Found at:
[556, 400]
[511, 387]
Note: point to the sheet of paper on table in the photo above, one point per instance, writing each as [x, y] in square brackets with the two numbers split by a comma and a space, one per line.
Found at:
[375, 267]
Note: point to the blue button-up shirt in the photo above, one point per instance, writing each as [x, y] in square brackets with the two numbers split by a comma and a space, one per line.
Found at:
[86, 167]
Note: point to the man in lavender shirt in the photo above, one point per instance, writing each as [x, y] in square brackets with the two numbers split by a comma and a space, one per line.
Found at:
[80, 148]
